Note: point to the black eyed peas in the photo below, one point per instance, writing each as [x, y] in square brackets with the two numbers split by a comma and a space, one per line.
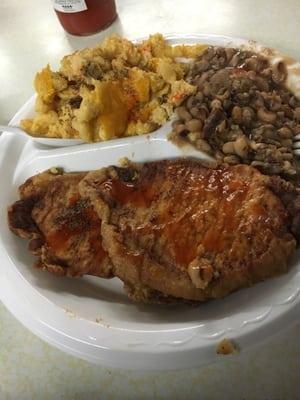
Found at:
[241, 111]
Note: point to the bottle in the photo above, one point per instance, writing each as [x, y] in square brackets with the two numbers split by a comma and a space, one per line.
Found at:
[84, 17]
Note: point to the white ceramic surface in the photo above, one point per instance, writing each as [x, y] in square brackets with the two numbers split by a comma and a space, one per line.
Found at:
[92, 318]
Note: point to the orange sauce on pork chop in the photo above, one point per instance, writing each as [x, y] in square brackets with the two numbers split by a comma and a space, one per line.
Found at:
[188, 206]
[75, 221]
[127, 192]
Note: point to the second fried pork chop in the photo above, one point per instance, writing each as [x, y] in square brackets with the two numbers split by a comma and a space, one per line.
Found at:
[64, 230]
[191, 232]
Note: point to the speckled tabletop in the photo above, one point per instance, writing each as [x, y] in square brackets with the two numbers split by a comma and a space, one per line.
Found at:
[30, 37]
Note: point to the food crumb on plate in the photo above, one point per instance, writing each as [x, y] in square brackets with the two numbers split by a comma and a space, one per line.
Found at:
[69, 312]
[226, 347]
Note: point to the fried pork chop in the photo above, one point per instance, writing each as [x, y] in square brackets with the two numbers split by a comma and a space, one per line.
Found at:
[170, 230]
[191, 232]
[64, 230]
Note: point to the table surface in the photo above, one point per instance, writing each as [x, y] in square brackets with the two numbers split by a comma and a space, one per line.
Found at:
[31, 37]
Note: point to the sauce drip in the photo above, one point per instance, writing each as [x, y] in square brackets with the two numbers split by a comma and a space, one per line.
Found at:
[127, 192]
[77, 220]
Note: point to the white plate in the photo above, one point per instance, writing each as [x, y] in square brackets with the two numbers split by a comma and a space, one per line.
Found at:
[91, 317]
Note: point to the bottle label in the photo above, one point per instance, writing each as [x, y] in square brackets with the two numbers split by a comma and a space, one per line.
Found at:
[69, 6]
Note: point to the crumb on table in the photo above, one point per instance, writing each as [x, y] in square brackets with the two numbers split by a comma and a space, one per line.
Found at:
[226, 346]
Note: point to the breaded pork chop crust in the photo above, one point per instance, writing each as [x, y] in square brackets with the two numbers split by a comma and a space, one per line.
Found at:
[189, 231]
[64, 230]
